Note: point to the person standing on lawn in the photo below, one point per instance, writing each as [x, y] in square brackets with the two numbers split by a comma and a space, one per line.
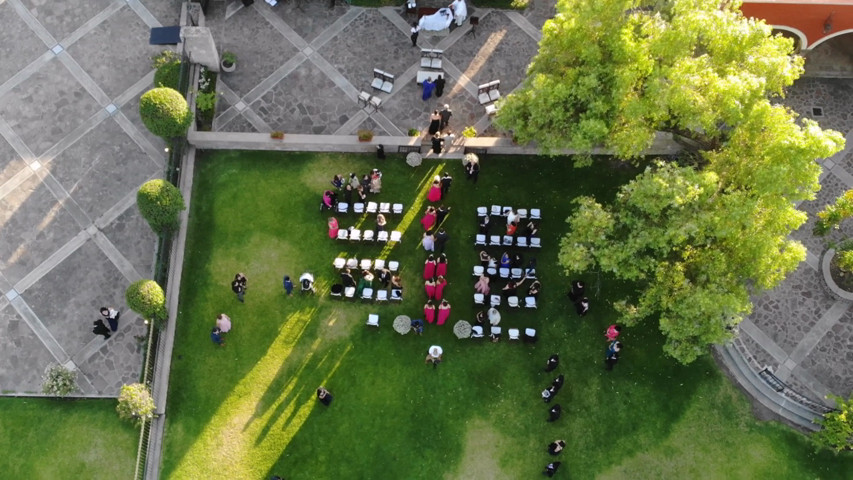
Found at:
[238, 286]
[216, 337]
[324, 396]
[446, 180]
[288, 285]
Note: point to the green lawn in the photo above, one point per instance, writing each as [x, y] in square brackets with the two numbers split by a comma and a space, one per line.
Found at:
[68, 439]
[247, 410]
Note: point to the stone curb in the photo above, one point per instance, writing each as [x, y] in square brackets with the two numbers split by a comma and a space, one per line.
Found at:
[827, 276]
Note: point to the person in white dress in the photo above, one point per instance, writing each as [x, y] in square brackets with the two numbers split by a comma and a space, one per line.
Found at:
[460, 11]
[223, 322]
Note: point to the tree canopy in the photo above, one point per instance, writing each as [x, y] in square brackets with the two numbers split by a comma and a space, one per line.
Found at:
[701, 233]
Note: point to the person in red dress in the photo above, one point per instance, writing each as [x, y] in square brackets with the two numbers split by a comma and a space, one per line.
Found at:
[435, 190]
[441, 268]
[443, 312]
[429, 267]
[429, 286]
[429, 218]
[429, 312]
[440, 283]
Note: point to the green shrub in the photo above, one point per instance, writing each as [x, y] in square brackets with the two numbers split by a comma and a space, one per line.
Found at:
[168, 65]
[229, 58]
[414, 132]
[147, 298]
[58, 381]
[837, 426]
[160, 204]
[135, 403]
[165, 112]
[205, 101]
[469, 132]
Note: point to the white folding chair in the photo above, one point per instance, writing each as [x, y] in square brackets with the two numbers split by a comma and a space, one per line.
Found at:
[496, 333]
[396, 295]
[352, 263]
[394, 265]
[384, 207]
[397, 208]
[535, 242]
[339, 262]
[495, 301]
[507, 241]
[477, 331]
[480, 239]
[382, 295]
[497, 210]
[382, 236]
[491, 271]
[530, 273]
[372, 207]
[349, 292]
[479, 299]
[521, 242]
[512, 301]
[495, 240]
[343, 234]
[365, 264]
[516, 273]
[504, 272]
[358, 207]
[530, 302]
[514, 333]
[530, 335]
[368, 236]
[367, 293]
[535, 214]
[478, 270]
[373, 320]
[378, 264]
[396, 236]
[482, 211]
[355, 235]
[522, 213]
[343, 207]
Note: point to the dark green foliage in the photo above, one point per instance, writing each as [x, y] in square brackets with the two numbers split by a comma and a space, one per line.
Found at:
[160, 204]
[165, 112]
[146, 298]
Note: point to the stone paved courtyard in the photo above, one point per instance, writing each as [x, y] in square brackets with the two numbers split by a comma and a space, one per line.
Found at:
[73, 151]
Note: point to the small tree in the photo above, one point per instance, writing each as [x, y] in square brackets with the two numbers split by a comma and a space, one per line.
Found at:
[829, 219]
[135, 403]
[58, 381]
[168, 65]
[165, 112]
[146, 298]
[837, 431]
[160, 204]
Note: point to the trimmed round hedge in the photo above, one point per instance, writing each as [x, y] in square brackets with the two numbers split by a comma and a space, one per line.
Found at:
[146, 298]
[165, 112]
[160, 204]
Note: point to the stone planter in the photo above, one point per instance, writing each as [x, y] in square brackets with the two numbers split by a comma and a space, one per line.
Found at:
[228, 68]
[827, 276]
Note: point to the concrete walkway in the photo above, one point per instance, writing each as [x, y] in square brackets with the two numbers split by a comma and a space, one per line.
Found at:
[73, 151]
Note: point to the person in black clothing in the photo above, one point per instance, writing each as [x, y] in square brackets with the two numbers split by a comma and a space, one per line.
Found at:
[446, 180]
[437, 143]
[439, 86]
[101, 329]
[556, 446]
[346, 278]
[441, 239]
[551, 469]
[582, 307]
[414, 36]
[442, 211]
[472, 170]
[554, 413]
[445, 117]
[238, 286]
[111, 315]
[576, 293]
[324, 396]
[552, 363]
[385, 277]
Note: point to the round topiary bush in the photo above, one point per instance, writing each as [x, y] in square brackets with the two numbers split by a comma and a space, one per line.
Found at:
[135, 403]
[165, 112]
[146, 298]
[160, 204]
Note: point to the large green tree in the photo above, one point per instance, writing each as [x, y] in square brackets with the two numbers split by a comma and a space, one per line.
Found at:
[702, 233]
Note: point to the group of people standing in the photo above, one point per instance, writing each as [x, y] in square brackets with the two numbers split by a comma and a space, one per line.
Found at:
[435, 271]
[554, 412]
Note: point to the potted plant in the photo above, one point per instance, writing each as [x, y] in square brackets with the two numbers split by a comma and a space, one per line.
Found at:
[277, 135]
[365, 135]
[414, 132]
[228, 62]
[469, 132]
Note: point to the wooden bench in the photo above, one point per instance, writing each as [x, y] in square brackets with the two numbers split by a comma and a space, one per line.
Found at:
[480, 152]
[382, 81]
[431, 58]
[424, 74]
[488, 92]
[408, 148]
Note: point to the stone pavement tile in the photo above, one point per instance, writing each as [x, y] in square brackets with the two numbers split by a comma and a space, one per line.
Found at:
[539, 11]
[63, 18]
[119, 360]
[239, 124]
[24, 356]
[789, 311]
[131, 111]
[500, 51]
[134, 239]
[51, 89]
[310, 18]
[116, 53]
[34, 225]
[168, 12]
[831, 188]
[391, 51]
[407, 110]
[67, 298]
[259, 47]
[20, 45]
[10, 162]
[102, 167]
[833, 95]
[831, 360]
[369, 124]
[295, 105]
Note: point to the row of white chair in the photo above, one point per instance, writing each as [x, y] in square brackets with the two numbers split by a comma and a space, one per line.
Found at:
[502, 211]
[510, 273]
[370, 207]
[512, 302]
[366, 264]
[356, 235]
[381, 295]
[507, 241]
[477, 331]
